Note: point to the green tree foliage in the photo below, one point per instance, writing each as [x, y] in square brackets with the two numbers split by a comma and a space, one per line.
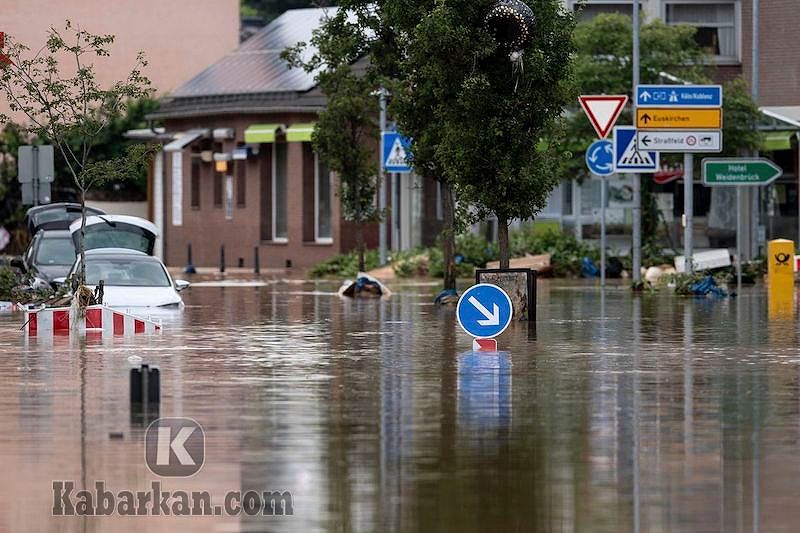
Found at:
[11, 210]
[392, 45]
[346, 133]
[501, 142]
[57, 90]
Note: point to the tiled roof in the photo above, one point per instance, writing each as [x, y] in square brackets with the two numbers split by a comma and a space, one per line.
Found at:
[256, 66]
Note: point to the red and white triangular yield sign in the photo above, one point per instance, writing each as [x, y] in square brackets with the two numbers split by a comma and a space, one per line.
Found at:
[603, 111]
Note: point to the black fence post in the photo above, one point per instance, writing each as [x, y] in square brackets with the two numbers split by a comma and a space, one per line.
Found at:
[222, 258]
[256, 260]
[189, 265]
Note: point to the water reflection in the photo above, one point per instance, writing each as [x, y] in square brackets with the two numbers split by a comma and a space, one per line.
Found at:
[615, 413]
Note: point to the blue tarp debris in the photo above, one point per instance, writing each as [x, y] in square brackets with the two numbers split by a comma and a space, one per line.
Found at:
[447, 296]
[707, 286]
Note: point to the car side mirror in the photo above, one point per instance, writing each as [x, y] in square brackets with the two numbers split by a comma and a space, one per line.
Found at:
[181, 284]
[17, 262]
[58, 281]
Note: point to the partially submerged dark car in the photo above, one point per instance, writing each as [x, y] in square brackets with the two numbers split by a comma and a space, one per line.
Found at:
[55, 216]
[51, 251]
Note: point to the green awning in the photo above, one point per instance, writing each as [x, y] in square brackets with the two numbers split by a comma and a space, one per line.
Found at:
[300, 132]
[777, 140]
[261, 133]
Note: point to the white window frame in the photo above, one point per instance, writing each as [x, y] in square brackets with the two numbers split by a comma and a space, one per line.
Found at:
[317, 238]
[275, 238]
[737, 25]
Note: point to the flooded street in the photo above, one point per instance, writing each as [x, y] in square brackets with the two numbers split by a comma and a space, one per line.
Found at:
[614, 413]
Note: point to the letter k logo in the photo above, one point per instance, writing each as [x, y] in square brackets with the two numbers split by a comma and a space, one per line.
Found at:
[174, 447]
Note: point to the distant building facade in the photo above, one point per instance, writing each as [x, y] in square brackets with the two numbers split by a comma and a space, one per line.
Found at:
[238, 169]
[178, 37]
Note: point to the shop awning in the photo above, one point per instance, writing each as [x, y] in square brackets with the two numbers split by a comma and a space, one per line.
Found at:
[183, 139]
[777, 140]
[261, 133]
[300, 132]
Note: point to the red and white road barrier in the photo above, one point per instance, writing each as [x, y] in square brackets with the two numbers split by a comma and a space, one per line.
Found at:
[99, 319]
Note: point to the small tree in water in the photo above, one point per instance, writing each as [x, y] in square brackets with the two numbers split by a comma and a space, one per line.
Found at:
[57, 91]
[346, 134]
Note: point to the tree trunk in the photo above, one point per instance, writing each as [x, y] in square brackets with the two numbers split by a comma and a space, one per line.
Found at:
[502, 240]
[82, 240]
[449, 236]
[360, 246]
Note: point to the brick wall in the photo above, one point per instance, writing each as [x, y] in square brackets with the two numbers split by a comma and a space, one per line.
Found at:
[779, 78]
[207, 228]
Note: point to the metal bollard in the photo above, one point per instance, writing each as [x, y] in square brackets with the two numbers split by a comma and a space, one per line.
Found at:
[145, 394]
[222, 258]
[256, 260]
[189, 265]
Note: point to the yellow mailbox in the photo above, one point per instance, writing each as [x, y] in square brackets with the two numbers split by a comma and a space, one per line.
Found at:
[780, 278]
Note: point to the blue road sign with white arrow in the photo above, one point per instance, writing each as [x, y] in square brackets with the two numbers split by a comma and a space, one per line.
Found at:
[396, 152]
[600, 158]
[678, 96]
[484, 311]
[627, 156]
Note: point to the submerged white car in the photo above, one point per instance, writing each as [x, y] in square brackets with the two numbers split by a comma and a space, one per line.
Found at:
[131, 279]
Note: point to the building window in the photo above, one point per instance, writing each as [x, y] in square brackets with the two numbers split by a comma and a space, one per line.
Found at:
[323, 203]
[716, 25]
[195, 181]
[279, 229]
[217, 189]
[590, 10]
[241, 182]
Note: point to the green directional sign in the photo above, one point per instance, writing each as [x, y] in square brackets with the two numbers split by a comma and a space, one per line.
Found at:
[720, 172]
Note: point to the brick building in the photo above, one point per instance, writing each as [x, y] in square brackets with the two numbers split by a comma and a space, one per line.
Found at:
[238, 169]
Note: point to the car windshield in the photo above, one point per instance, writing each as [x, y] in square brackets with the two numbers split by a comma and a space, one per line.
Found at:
[124, 272]
[56, 251]
[118, 235]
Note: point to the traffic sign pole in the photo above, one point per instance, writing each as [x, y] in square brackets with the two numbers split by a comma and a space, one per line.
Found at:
[382, 190]
[603, 199]
[637, 182]
[688, 210]
[738, 239]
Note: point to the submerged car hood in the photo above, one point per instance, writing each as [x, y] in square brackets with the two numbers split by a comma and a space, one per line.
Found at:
[128, 297]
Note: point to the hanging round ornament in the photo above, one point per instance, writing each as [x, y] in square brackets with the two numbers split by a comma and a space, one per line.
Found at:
[511, 24]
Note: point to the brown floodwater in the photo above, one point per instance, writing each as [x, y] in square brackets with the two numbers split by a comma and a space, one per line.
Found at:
[614, 413]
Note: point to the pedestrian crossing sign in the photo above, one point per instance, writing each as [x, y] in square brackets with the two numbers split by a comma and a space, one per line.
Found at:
[396, 152]
[631, 160]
